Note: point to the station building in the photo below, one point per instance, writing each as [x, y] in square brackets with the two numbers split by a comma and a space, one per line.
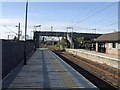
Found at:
[109, 43]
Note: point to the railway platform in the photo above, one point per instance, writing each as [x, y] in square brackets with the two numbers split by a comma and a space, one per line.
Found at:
[103, 58]
[45, 70]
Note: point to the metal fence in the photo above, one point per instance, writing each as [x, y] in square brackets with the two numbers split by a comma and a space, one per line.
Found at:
[13, 54]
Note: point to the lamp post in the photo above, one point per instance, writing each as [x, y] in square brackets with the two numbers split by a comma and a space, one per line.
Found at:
[25, 50]
[37, 26]
[94, 30]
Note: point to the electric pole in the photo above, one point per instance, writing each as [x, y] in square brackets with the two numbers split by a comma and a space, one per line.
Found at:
[72, 46]
[51, 28]
[19, 31]
[25, 50]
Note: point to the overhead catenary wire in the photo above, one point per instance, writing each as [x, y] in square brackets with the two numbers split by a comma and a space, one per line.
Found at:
[94, 14]
[10, 29]
[82, 28]
[90, 17]
[83, 11]
[109, 24]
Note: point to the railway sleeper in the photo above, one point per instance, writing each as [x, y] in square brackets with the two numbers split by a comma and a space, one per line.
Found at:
[97, 72]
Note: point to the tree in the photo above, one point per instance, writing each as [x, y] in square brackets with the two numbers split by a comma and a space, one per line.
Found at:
[80, 40]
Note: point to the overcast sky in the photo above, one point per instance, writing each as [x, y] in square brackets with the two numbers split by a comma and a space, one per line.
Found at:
[82, 16]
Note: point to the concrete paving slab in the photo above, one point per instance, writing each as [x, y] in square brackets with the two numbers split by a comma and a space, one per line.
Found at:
[46, 70]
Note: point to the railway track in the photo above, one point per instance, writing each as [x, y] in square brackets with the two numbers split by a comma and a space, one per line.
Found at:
[103, 76]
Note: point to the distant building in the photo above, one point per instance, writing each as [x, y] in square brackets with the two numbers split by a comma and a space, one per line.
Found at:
[109, 43]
